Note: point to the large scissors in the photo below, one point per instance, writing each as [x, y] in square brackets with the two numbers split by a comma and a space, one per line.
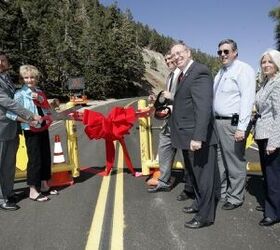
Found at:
[67, 114]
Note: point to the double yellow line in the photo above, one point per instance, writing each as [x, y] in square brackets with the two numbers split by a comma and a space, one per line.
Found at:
[95, 232]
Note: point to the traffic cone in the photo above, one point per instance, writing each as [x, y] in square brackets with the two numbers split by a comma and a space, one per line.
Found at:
[59, 178]
[58, 156]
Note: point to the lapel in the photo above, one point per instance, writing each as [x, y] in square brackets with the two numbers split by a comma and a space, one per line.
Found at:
[185, 77]
[265, 91]
[7, 83]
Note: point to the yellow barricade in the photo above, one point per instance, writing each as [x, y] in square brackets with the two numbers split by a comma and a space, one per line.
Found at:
[252, 166]
[73, 164]
[146, 142]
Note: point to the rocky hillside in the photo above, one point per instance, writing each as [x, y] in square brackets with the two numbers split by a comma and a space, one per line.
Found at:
[157, 71]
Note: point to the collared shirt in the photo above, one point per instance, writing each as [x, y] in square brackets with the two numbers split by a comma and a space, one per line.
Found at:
[171, 86]
[187, 67]
[234, 92]
[169, 81]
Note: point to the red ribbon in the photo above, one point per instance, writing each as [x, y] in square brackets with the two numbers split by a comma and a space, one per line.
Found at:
[111, 128]
[42, 102]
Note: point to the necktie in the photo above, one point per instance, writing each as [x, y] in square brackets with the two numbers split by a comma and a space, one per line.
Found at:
[180, 77]
[170, 81]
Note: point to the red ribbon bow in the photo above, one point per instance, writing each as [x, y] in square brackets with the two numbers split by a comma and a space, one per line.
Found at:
[111, 128]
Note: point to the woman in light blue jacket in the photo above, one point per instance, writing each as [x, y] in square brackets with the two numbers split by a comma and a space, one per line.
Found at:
[267, 133]
[37, 142]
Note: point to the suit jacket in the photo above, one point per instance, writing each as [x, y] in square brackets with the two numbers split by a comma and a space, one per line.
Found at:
[268, 106]
[8, 128]
[192, 116]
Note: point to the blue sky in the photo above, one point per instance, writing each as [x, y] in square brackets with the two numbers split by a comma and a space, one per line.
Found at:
[203, 23]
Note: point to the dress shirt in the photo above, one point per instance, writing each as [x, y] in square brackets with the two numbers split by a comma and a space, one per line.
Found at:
[171, 83]
[234, 92]
[187, 67]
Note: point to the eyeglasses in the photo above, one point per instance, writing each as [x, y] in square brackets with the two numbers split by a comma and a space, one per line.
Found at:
[178, 53]
[168, 59]
[225, 51]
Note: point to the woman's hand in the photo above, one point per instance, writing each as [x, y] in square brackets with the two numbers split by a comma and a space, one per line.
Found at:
[270, 150]
[239, 135]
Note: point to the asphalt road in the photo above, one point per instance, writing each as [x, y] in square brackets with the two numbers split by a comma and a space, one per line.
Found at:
[116, 212]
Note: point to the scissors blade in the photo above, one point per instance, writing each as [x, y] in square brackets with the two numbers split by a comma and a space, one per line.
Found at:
[65, 114]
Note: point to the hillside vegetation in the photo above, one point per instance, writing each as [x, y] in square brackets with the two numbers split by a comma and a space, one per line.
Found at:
[116, 56]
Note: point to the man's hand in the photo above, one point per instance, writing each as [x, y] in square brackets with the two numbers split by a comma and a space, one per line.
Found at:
[33, 123]
[151, 98]
[239, 135]
[166, 95]
[195, 145]
[34, 95]
[164, 111]
[37, 118]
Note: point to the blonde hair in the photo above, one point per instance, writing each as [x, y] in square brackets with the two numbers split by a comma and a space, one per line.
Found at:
[275, 58]
[29, 69]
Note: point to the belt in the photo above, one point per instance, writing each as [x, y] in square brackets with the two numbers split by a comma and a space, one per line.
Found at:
[222, 117]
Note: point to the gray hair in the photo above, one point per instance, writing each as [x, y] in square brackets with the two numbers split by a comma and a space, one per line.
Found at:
[180, 43]
[229, 41]
[275, 57]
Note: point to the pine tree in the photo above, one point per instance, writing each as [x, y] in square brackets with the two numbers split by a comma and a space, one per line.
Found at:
[275, 14]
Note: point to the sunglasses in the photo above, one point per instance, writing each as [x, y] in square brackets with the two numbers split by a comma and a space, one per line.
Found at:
[225, 51]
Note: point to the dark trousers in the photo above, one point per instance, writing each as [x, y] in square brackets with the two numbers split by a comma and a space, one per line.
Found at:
[166, 153]
[203, 171]
[271, 172]
[8, 151]
[39, 157]
[188, 183]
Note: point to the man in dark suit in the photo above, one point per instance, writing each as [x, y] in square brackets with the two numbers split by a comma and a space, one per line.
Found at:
[166, 152]
[8, 134]
[192, 131]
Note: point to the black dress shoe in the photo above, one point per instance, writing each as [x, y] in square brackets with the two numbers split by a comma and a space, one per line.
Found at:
[184, 196]
[159, 188]
[230, 206]
[14, 198]
[9, 206]
[266, 222]
[189, 210]
[259, 208]
[195, 224]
